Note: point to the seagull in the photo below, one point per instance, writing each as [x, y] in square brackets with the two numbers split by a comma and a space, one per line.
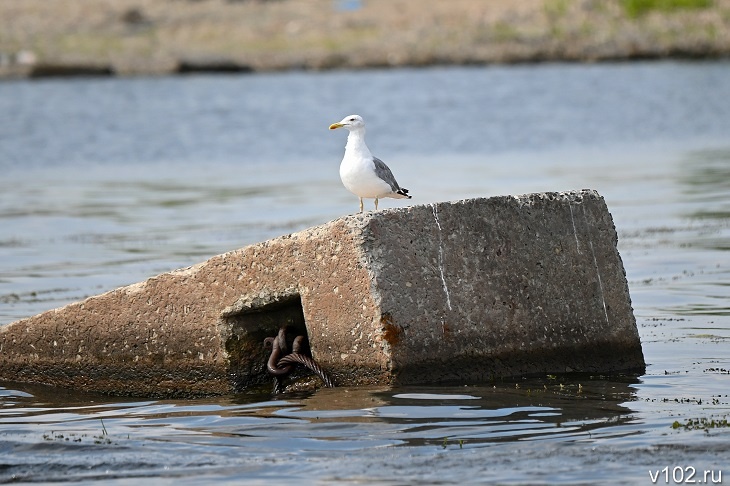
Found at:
[361, 173]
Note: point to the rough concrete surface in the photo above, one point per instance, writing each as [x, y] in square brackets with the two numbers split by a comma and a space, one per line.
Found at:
[466, 291]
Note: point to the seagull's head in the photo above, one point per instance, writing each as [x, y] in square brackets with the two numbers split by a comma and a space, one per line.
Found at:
[351, 122]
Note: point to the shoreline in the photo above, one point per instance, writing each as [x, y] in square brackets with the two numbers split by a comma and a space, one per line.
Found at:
[55, 71]
[168, 37]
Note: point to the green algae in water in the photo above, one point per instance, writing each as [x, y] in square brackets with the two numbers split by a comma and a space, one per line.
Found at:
[702, 423]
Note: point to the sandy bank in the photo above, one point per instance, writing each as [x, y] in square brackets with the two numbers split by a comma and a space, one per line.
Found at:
[162, 36]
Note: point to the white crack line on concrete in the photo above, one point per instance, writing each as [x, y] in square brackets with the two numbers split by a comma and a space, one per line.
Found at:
[598, 273]
[441, 256]
[575, 232]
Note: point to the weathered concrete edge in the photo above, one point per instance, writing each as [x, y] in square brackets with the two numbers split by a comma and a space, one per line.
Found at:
[614, 345]
[68, 346]
[255, 277]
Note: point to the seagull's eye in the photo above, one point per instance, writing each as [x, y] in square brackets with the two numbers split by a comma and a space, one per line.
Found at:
[352, 119]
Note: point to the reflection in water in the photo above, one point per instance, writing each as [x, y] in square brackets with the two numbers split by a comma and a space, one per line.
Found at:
[703, 205]
[248, 426]
[705, 175]
[677, 252]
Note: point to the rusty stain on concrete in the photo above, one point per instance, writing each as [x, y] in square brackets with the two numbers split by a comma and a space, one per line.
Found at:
[392, 333]
[467, 290]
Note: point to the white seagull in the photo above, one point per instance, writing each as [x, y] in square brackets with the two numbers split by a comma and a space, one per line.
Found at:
[361, 173]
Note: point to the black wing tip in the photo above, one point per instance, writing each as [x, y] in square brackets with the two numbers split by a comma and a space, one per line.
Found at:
[404, 192]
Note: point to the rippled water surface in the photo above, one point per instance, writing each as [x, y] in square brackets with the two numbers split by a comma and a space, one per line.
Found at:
[107, 182]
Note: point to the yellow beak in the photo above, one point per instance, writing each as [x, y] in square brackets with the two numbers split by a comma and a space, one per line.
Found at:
[336, 125]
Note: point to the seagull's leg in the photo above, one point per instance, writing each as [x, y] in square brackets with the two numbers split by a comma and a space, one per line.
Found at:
[361, 205]
[376, 203]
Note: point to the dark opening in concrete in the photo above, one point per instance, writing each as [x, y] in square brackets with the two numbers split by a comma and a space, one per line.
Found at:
[250, 322]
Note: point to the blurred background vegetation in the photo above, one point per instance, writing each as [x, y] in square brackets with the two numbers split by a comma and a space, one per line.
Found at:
[634, 8]
[164, 36]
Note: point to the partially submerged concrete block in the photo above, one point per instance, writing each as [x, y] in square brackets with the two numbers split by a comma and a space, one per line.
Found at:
[465, 291]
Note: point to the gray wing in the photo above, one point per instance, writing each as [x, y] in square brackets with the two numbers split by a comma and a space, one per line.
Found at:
[383, 172]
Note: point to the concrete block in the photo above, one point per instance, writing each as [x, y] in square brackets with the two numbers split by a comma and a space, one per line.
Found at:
[466, 291]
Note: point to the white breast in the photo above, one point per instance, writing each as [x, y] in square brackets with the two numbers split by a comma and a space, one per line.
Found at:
[358, 176]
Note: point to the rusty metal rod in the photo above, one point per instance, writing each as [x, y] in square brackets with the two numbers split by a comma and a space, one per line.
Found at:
[308, 363]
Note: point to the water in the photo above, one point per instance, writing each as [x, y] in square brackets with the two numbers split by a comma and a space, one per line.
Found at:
[107, 182]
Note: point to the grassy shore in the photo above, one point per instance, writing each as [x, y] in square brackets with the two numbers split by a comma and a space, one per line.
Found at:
[158, 36]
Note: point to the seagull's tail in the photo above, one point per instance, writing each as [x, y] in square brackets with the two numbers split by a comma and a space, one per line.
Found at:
[403, 193]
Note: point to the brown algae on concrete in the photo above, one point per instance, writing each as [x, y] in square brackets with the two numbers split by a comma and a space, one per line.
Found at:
[462, 291]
